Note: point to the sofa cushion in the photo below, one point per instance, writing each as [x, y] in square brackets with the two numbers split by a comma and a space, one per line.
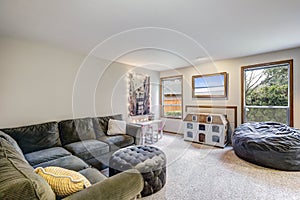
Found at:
[63, 182]
[18, 180]
[101, 124]
[117, 141]
[35, 137]
[12, 142]
[45, 155]
[68, 162]
[126, 185]
[88, 149]
[99, 163]
[75, 130]
[93, 175]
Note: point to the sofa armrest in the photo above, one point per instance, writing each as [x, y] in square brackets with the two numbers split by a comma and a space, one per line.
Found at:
[134, 131]
[123, 186]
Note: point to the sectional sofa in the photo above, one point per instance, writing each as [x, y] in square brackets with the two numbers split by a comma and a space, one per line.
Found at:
[81, 145]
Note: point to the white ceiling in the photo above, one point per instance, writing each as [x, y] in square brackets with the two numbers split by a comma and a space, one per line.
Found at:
[158, 34]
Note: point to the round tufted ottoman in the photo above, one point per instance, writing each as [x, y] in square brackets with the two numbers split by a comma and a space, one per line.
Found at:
[150, 161]
[269, 144]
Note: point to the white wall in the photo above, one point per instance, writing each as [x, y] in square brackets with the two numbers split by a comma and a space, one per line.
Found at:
[113, 88]
[233, 68]
[40, 82]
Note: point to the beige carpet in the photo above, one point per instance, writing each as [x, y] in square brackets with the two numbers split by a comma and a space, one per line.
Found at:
[196, 171]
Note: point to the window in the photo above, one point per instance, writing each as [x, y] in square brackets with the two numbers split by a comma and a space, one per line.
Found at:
[210, 85]
[267, 92]
[171, 96]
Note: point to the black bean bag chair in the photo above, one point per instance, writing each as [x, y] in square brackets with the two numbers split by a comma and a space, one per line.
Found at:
[268, 144]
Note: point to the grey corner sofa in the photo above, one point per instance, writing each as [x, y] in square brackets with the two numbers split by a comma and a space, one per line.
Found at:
[81, 145]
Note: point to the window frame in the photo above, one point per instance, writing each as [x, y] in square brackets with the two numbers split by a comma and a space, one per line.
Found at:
[161, 95]
[290, 91]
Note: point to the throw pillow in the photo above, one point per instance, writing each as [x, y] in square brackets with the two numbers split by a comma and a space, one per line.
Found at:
[63, 181]
[116, 127]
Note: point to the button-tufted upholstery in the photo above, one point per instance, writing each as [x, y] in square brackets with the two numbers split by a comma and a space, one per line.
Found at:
[150, 161]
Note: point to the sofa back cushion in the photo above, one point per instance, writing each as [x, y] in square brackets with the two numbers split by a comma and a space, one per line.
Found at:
[101, 124]
[13, 143]
[76, 130]
[35, 137]
[18, 179]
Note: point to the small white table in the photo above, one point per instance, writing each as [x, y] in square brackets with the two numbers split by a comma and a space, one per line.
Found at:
[149, 130]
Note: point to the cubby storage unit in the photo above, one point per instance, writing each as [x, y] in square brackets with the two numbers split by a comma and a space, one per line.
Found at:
[206, 128]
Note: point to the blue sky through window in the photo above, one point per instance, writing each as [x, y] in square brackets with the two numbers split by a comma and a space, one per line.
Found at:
[209, 81]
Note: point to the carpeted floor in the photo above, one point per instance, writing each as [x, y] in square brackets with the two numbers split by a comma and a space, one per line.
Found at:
[196, 171]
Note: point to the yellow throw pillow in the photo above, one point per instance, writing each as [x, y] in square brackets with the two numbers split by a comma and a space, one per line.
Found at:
[63, 181]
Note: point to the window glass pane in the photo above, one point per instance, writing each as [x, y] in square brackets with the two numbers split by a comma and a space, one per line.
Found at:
[172, 97]
[213, 85]
[266, 114]
[267, 86]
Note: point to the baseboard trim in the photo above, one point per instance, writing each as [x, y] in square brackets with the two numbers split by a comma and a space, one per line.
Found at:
[173, 132]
